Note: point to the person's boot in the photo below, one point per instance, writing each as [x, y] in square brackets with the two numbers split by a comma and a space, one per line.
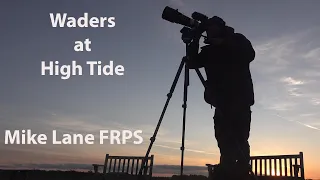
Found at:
[243, 171]
[218, 173]
[222, 172]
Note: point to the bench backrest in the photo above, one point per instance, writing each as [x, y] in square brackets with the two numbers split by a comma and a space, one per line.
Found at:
[280, 165]
[126, 164]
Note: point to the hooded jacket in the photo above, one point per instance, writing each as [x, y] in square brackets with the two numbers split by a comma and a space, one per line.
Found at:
[227, 66]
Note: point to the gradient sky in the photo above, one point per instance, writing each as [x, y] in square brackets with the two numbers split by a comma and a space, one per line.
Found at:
[285, 119]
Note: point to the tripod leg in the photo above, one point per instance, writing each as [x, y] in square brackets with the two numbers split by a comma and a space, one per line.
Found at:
[184, 106]
[201, 77]
[169, 95]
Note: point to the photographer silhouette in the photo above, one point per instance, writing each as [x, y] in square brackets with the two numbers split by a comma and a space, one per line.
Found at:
[229, 88]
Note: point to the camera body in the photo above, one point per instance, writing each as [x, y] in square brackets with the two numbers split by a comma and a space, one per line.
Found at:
[195, 26]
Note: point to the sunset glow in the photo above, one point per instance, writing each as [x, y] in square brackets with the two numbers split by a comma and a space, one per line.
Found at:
[285, 117]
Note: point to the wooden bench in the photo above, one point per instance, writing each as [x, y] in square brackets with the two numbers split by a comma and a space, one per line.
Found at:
[125, 165]
[280, 165]
[274, 167]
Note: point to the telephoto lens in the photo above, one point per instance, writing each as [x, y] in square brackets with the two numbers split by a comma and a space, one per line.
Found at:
[174, 16]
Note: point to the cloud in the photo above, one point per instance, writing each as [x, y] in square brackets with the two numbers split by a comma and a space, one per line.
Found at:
[292, 81]
[81, 124]
[271, 56]
[294, 92]
[315, 101]
[286, 77]
[304, 124]
[190, 150]
[283, 106]
[308, 125]
[286, 68]
[313, 54]
[307, 114]
[291, 51]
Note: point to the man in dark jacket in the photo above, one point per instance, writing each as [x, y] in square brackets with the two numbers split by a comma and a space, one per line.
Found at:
[229, 88]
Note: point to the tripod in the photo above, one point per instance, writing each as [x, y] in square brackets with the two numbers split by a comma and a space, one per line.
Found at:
[183, 63]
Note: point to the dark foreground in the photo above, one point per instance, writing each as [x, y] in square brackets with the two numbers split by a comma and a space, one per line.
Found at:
[74, 175]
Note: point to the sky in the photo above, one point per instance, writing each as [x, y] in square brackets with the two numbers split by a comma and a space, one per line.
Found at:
[285, 118]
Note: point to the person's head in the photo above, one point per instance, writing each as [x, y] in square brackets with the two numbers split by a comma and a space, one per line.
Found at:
[215, 27]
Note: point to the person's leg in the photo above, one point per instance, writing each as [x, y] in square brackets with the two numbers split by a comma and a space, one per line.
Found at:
[242, 135]
[232, 129]
[224, 135]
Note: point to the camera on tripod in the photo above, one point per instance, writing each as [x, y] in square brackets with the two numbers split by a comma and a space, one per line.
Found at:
[194, 27]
